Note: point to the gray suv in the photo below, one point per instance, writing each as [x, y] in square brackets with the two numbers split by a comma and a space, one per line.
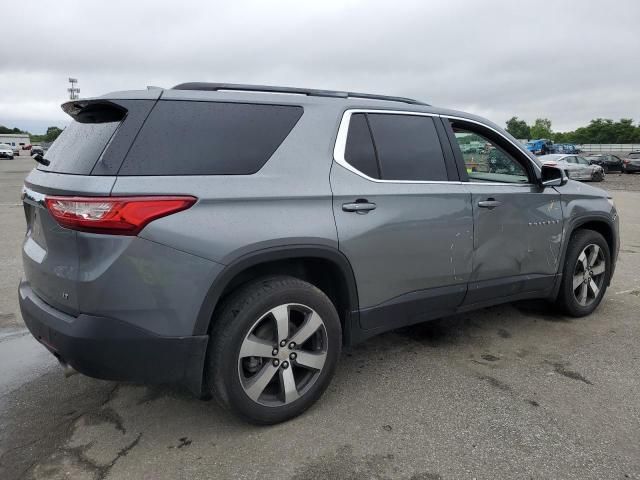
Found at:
[232, 238]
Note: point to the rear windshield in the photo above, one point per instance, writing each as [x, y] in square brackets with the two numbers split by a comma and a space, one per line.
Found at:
[635, 155]
[78, 147]
[209, 138]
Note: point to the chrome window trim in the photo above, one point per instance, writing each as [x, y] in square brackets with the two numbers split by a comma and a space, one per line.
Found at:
[341, 143]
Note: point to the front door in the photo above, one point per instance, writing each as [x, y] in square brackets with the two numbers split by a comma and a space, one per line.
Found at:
[517, 223]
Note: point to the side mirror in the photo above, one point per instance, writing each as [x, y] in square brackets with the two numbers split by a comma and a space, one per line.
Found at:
[552, 176]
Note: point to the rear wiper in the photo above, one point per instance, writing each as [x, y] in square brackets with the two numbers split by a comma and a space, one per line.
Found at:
[40, 159]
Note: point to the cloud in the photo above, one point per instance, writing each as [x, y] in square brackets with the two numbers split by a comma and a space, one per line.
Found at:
[570, 61]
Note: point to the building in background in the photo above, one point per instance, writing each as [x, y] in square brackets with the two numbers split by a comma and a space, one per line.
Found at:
[15, 139]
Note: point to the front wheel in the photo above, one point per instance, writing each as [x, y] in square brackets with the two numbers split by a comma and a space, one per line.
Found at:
[273, 349]
[586, 273]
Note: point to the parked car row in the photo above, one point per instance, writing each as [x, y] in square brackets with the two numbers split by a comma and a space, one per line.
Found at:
[9, 152]
[593, 167]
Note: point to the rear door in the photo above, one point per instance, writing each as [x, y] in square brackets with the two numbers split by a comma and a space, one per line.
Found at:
[517, 224]
[404, 220]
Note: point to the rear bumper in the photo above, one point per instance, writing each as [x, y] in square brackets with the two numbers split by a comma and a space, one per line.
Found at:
[111, 349]
[630, 167]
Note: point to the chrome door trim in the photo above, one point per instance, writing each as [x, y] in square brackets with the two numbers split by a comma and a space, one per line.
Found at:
[341, 143]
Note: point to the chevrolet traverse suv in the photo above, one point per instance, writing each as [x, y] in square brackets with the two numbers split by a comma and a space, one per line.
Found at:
[232, 238]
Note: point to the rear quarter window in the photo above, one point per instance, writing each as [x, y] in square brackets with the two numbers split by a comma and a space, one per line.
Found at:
[209, 138]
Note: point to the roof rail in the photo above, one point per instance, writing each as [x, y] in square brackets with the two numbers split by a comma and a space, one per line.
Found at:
[300, 91]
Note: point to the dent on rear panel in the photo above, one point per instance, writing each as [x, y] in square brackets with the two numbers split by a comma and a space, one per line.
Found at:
[146, 284]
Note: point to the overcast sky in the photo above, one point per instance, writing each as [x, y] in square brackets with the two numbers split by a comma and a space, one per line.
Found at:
[570, 61]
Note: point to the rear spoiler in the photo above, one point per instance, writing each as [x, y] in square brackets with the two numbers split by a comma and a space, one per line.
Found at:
[94, 111]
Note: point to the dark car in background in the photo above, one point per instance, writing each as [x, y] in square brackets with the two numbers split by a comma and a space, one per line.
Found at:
[631, 163]
[607, 162]
[37, 149]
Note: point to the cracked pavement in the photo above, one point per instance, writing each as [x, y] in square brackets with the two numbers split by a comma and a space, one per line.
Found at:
[515, 391]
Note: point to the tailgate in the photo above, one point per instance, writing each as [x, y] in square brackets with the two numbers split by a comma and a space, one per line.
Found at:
[51, 254]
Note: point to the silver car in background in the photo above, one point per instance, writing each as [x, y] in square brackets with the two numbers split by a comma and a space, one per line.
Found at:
[576, 167]
[6, 151]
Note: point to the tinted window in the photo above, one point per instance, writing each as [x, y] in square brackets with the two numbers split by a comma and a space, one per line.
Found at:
[78, 147]
[359, 151]
[209, 138]
[408, 147]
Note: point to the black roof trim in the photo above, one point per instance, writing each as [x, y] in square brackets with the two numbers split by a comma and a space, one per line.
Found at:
[300, 91]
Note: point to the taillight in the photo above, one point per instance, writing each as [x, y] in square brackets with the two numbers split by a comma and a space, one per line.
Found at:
[113, 215]
[626, 160]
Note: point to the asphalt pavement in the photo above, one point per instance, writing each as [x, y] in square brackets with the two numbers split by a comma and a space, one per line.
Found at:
[515, 391]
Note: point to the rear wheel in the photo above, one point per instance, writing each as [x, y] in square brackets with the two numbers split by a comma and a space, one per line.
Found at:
[273, 349]
[586, 273]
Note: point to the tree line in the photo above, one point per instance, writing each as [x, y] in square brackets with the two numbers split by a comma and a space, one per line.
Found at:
[600, 130]
[50, 136]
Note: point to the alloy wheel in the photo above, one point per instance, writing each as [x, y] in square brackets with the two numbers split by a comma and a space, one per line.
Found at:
[589, 274]
[283, 354]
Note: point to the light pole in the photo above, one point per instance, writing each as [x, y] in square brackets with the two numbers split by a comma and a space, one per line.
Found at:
[73, 90]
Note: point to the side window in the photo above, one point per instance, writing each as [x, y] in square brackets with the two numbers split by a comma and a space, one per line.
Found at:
[359, 150]
[209, 138]
[485, 160]
[408, 147]
[395, 147]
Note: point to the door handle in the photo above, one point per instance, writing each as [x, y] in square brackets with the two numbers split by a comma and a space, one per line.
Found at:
[489, 203]
[359, 206]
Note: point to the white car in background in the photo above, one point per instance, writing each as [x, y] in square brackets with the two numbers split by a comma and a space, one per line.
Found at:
[576, 166]
[6, 151]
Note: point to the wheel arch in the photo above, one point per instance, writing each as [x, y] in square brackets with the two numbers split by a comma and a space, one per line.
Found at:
[326, 267]
[602, 224]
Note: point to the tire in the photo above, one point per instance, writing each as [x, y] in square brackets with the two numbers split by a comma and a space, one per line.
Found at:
[570, 294]
[246, 321]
